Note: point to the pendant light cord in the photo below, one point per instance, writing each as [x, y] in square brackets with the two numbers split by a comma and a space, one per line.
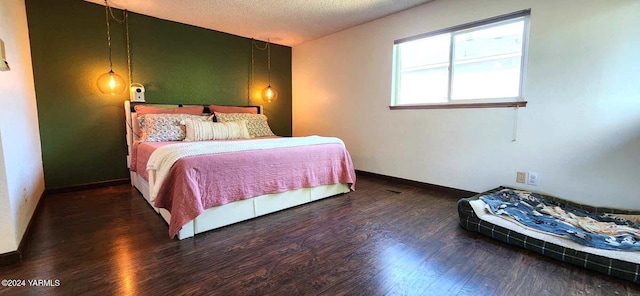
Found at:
[250, 83]
[250, 78]
[125, 19]
[258, 47]
[126, 25]
[269, 59]
[106, 11]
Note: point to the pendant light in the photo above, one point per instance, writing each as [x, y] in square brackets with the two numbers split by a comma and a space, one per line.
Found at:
[268, 93]
[110, 82]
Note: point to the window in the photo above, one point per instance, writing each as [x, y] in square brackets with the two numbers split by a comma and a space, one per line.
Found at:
[482, 62]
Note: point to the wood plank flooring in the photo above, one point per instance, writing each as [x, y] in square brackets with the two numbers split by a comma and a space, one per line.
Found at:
[370, 242]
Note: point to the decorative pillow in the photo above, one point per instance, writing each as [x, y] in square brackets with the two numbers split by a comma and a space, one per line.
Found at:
[206, 130]
[164, 127]
[232, 109]
[256, 123]
[193, 110]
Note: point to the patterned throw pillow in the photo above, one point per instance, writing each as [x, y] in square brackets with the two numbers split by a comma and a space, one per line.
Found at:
[164, 127]
[256, 123]
[207, 130]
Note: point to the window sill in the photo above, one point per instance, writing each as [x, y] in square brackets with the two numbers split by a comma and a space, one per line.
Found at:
[462, 106]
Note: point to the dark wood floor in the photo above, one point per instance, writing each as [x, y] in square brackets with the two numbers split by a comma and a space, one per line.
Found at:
[370, 242]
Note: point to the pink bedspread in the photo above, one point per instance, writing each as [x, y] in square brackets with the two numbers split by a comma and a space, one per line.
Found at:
[141, 153]
[197, 183]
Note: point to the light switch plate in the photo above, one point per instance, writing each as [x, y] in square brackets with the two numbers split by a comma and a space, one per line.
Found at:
[521, 177]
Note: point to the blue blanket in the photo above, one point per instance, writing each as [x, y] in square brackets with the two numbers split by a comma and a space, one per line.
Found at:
[525, 208]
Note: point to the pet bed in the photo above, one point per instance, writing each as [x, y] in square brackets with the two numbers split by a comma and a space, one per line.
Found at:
[475, 216]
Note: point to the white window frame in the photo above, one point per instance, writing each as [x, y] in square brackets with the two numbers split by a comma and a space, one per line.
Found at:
[517, 101]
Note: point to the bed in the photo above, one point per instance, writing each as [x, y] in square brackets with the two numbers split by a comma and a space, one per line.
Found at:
[239, 179]
[475, 216]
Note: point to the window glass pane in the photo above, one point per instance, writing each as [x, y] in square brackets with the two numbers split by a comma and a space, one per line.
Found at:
[426, 51]
[487, 62]
[423, 72]
[424, 86]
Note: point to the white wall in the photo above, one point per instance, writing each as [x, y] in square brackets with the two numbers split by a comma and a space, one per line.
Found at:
[580, 131]
[7, 228]
[21, 175]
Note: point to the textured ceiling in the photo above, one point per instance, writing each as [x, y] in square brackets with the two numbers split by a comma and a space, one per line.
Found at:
[286, 22]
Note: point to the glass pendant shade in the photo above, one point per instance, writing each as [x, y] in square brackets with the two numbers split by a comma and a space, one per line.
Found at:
[269, 94]
[111, 83]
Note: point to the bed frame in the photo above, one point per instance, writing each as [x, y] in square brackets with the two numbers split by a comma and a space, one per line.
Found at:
[232, 212]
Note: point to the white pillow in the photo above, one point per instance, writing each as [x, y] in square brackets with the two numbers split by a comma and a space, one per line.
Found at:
[207, 130]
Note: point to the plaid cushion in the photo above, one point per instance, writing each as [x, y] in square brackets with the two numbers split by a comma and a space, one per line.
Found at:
[622, 269]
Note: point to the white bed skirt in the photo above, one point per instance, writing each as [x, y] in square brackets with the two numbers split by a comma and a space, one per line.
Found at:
[244, 209]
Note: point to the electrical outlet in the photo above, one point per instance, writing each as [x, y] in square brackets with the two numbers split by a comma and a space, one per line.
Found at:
[521, 177]
[532, 179]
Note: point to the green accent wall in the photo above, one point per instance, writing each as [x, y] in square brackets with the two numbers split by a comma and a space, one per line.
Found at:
[83, 131]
